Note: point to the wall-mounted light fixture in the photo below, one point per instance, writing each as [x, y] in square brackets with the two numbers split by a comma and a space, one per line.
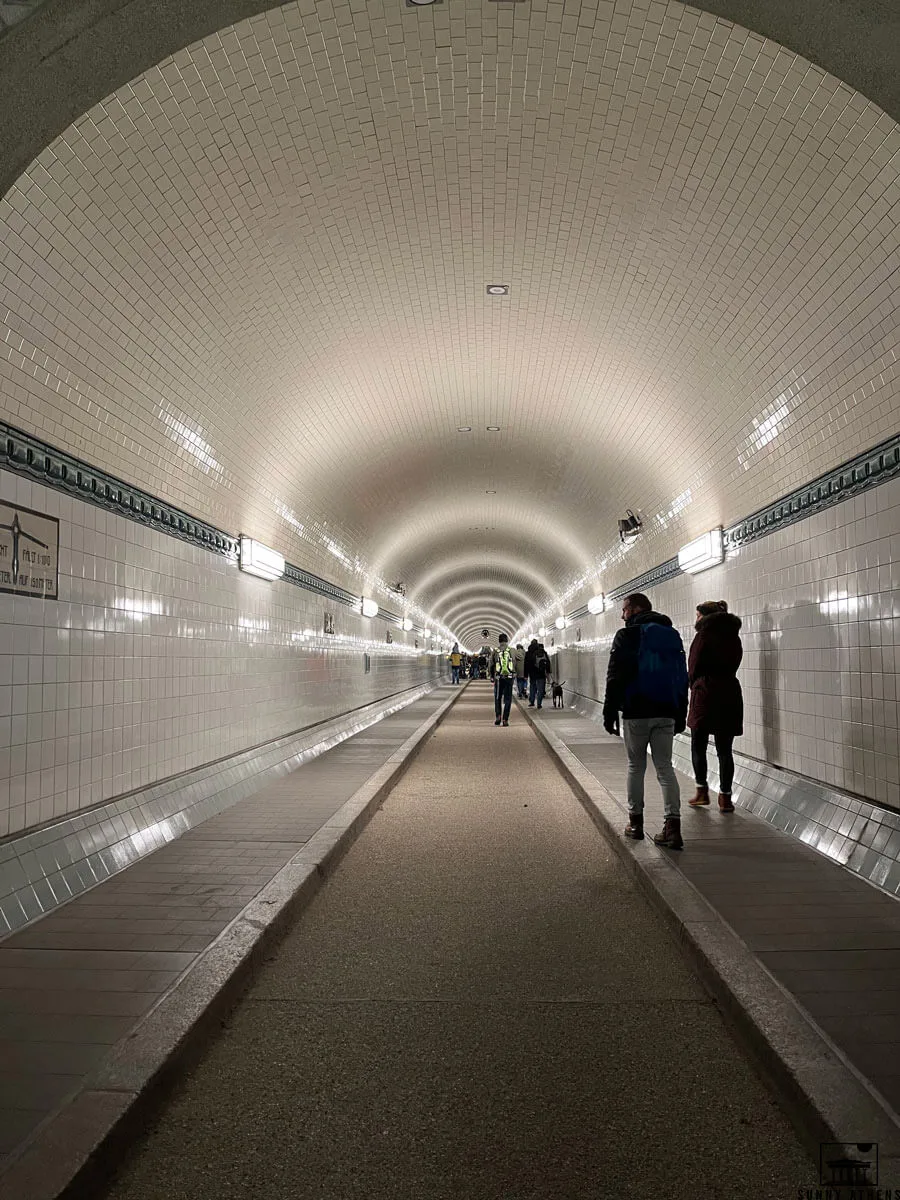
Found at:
[703, 552]
[407, 625]
[629, 526]
[426, 633]
[543, 631]
[560, 622]
[369, 607]
[262, 561]
[596, 604]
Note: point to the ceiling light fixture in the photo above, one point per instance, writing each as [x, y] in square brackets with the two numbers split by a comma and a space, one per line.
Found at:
[703, 552]
[491, 492]
[492, 428]
[464, 429]
[498, 289]
[420, 3]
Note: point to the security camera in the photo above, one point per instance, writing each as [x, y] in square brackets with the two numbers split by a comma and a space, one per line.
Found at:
[629, 526]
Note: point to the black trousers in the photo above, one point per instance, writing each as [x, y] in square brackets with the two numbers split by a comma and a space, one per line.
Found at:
[699, 745]
[503, 686]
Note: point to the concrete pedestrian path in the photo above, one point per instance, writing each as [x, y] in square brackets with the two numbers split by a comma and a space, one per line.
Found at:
[477, 1003]
[76, 982]
[830, 938]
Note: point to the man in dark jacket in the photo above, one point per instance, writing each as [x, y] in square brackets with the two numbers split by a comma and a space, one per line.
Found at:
[541, 671]
[529, 669]
[646, 682]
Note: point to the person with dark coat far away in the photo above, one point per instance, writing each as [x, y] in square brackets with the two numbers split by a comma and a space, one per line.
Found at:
[717, 704]
[530, 655]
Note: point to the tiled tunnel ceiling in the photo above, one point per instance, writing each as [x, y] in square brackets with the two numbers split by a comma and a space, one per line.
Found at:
[254, 281]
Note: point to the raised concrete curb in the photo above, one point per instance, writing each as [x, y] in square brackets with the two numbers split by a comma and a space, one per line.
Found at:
[824, 1095]
[72, 1152]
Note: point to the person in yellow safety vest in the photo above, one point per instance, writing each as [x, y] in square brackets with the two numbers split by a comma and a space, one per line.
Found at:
[455, 660]
[503, 673]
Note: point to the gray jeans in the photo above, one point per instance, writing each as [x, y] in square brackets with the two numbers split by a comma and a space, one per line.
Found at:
[658, 733]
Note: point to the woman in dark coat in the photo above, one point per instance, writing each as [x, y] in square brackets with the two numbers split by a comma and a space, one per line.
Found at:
[717, 705]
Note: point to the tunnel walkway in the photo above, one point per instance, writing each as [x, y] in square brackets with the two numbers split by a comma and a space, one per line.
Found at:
[76, 981]
[477, 1003]
[829, 937]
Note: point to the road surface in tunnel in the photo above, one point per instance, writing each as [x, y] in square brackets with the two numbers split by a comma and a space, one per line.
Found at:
[477, 1003]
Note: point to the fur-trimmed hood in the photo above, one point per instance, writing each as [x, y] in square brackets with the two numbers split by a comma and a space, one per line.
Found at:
[720, 623]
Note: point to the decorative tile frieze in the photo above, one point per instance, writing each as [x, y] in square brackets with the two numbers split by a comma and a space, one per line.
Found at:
[867, 470]
[35, 459]
[649, 579]
[312, 583]
[29, 456]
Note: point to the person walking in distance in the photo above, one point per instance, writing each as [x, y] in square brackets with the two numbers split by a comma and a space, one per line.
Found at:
[647, 682]
[541, 672]
[717, 704]
[519, 662]
[455, 662]
[530, 654]
[503, 673]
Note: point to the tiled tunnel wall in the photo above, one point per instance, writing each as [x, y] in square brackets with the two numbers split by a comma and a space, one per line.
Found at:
[160, 656]
[821, 633]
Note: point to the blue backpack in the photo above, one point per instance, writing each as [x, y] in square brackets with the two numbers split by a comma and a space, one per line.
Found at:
[662, 678]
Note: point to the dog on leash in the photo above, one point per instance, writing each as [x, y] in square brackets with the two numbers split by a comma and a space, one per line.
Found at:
[557, 692]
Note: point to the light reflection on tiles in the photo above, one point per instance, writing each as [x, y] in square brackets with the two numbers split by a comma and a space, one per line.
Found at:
[820, 604]
[159, 657]
[42, 869]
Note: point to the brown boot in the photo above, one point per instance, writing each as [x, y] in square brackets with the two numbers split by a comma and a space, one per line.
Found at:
[702, 797]
[670, 837]
[725, 804]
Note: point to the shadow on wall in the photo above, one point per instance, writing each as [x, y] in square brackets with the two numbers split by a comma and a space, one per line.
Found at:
[769, 675]
[805, 693]
[869, 738]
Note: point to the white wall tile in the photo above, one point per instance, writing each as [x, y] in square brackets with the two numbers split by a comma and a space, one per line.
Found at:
[158, 657]
[821, 641]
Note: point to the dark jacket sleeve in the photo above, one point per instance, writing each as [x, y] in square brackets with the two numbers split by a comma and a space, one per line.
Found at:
[619, 672]
[694, 656]
[681, 715]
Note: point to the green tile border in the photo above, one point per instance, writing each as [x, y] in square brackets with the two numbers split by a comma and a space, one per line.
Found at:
[35, 459]
[29, 456]
[856, 475]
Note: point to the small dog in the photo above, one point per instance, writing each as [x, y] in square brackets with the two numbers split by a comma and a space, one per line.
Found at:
[557, 692]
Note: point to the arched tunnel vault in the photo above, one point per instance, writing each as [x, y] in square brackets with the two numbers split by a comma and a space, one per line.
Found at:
[253, 280]
[73, 53]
